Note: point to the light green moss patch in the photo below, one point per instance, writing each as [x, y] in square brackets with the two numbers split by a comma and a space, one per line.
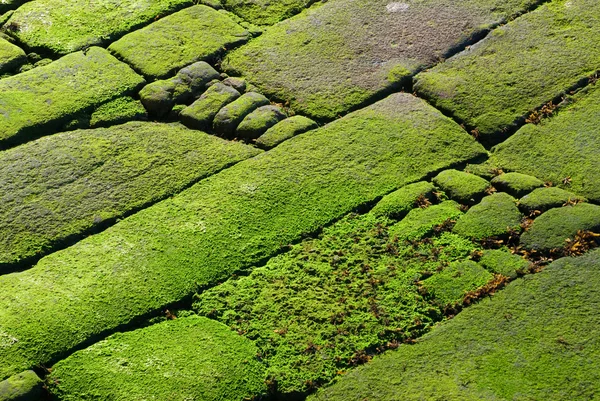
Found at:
[266, 12]
[543, 199]
[36, 101]
[223, 224]
[419, 222]
[333, 58]
[503, 262]
[554, 227]
[65, 26]
[516, 184]
[397, 204]
[66, 184]
[537, 339]
[25, 386]
[184, 359]
[117, 111]
[496, 215]
[11, 56]
[173, 42]
[462, 187]
[563, 149]
[286, 129]
[518, 67]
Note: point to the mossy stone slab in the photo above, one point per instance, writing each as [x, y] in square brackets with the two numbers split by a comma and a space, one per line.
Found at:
[42, 99]
[11, 56]
[563, 149]
[286, 129]
[118, 111]
[519, 67]
[551, 229]
[537, 339]
[65, 26]
[334, 58]
[259, 121]
[543, 199]
[193, 34]
[496, 215]
[184, 359]
[223, 224]
[24, 386]
[66, 184]
[230, 116]
[461, 186]
[200, 114]
[420, 222]
[516, 184]
[266, 12]
[397, 204]
[499, 261]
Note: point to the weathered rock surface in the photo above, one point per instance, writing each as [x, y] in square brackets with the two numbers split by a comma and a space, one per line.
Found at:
[200, 114]
[259, 121]
[24, 386]
[230, 116]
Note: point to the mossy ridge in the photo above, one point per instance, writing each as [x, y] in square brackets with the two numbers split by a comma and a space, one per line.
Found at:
[64, 26]
[330, 303]
[183, 359]
[41, 100]
[266, 12]
[542, 199]
[67, 184]
[562, 149]
[495, 84]
[547, 322]
[172, 42]
[11, 56]
[336, 57]
[228, 222]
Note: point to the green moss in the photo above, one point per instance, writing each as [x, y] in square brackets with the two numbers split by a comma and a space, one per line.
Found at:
[200, 114]
[420, 222]
[230, 116]
[518, 67]
[502, 262]
[11, 56]
[183, 359]
[397, 204]
[117, 111]
[334, 58]
[537, 339]
[259, 121]
[221, 225]
[172, 42]
[44, 98]
[266, 12]
[460, 186]
[65, 26]
[554, 227]
[497, 215]
[563, 149]
[543, 199]
[516, 184]
[317, 309]
[25, 386]
[67, 184]
[286, 129]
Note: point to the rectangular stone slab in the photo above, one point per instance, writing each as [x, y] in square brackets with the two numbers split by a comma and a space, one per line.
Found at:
[64, 185]
[11, 56]
[65, 26]
[36, 101]
[194, 34]
[518, 68]
[334, 58]
[227, 222]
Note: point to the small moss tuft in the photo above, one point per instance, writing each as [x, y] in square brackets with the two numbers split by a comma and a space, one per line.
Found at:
[460, 186]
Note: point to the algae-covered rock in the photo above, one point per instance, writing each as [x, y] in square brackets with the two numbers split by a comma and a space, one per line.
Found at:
[543, 199]
[200, 114]
[191, 81]
[118, 111]
[193, 34]
[420, 222]
[496, 215]
[37, 101]
[157, 97]
[239, 84]
[231, 115]
[502, 262]
[183, 359]
[460, 186]
[516, 184]
[285, 129]
[25, 386]
[397, 204]
[11, 56]
[551, 229]
[260, 120]
[519, 67]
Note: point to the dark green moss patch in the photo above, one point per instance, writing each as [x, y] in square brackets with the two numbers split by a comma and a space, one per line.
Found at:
[397, 204]
[230, 116]
[516, 184]
[184, 359]
[500, 261]
[460, 186]
[496, 216]
[543, 199]
[25, 386]
[259, 121]
[200, 114]
[286, 129]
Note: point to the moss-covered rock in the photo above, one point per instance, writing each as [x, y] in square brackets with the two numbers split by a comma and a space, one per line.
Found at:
[397, 204]
[563, 149]
[225, 223]
[460, 186]
[230, 116]
[497, 215]
[118, 111]
[286, 129]
[266, 12]
[11, 56]
[519, 67]
[239, 84]
[551, 229]
[516, 184]
[259, 121]
[61, 186]
[502, 262]
[65, 26]
[539, 338]
[183, 359]
[25, 386]
[334, 58]
[543, 199]
[200, 114]
[172, 42]
[419, 222]
[37, 101]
